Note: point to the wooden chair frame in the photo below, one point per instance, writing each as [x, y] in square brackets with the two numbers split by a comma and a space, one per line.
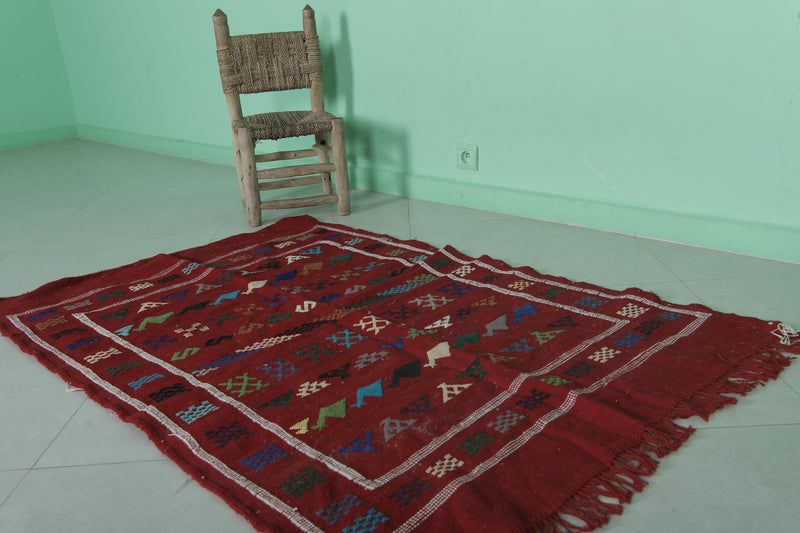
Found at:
[247, 130]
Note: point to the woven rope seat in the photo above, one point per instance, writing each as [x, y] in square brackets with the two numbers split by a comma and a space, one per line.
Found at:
[279, 125]
[274, 62]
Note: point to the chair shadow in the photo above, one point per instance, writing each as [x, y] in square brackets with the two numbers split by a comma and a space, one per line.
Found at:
[373, 149]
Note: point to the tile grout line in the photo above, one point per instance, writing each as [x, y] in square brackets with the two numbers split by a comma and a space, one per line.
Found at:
[33, 466]
[678, 278]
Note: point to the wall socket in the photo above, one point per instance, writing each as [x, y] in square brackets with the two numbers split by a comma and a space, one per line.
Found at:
[467, 156]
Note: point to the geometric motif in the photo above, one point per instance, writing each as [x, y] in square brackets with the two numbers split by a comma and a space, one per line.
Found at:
[368, 522]
[282, 400]
[545, 336]
[604, 354]
[476, 443]
[270, 342]
[534, 399]
[632, 311]
[308, 388]
[92, 359]
[554, 380]
[302, 482]
[431, 302]
[372, 324]
[580, 369]
[224, 434]
[455, 289]
[409, 370]
[373, 390]
[392, 427]
[669, 316]
[188, 332]
[146, 379]
[336, 510]
[178, 356]
[361, 444]
[64, 332]
[118, 369]
[451, 391]
[369, 358]
[81, 343]
[278, 369]
[193, 412]
[313, 352]
[168, 392]
[244, 384]
[260, 459]
[43, 314]
[566, 321]
[650, 326]
[157, 343]
[552, 293]
[628, 340]
[473, 371]
[506, 421]
[117, 314]
[401, 313]
[346, 337]
[519, 285]
[464, 270]
[590, 302]
[422, 405]
[336, 410]
[519, 346]
[440, 263]
[444, 465]
[225, 360]
[409, 491]
[470, 337]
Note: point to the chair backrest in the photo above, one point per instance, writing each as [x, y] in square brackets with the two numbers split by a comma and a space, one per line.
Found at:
[266, 62]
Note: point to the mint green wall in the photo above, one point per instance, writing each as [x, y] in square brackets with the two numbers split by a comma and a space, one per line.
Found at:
[675, 120]
[35, 100]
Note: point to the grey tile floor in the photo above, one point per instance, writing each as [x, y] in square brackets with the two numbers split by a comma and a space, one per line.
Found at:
[70, 466]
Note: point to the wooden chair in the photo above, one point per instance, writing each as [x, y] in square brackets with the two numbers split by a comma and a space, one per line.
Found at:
[277, 62]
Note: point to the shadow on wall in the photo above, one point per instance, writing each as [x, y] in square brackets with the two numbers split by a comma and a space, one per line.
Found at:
[372, 147]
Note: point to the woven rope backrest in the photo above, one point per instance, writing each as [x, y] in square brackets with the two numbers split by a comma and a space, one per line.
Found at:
[269, 62]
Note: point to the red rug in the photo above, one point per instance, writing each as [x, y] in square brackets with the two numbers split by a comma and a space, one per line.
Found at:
[323, 378]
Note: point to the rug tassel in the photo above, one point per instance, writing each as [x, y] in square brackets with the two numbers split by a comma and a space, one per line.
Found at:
[742, 378]
[591, 506]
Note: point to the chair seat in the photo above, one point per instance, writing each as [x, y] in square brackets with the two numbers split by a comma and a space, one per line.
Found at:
[286, 124]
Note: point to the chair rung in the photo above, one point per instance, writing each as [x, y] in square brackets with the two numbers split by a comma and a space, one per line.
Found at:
[282, 156]
[300, 202]
[293, 182]
[290, 172]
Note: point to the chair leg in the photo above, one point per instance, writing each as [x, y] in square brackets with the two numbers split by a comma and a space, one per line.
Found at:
[340, 166]
[248, 181]
[238, 161]
[322, 139]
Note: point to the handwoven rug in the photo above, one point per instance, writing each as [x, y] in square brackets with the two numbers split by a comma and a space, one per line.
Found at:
[323, 378]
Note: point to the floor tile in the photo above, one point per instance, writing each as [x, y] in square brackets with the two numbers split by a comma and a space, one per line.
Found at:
[691, 263]
[111, 439]
[93, 472]
[123, 498]
[41, 407]
[9, 479]
[574, 253]
[721, 481]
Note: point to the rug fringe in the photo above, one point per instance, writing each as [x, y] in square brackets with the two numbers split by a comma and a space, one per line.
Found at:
[603, 496]
[741, 379]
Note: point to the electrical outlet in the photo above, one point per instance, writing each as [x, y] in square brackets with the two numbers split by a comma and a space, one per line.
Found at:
[467, 156]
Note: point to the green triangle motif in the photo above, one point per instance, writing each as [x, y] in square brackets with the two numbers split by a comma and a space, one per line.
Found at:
[546, 336]
[473, 371]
